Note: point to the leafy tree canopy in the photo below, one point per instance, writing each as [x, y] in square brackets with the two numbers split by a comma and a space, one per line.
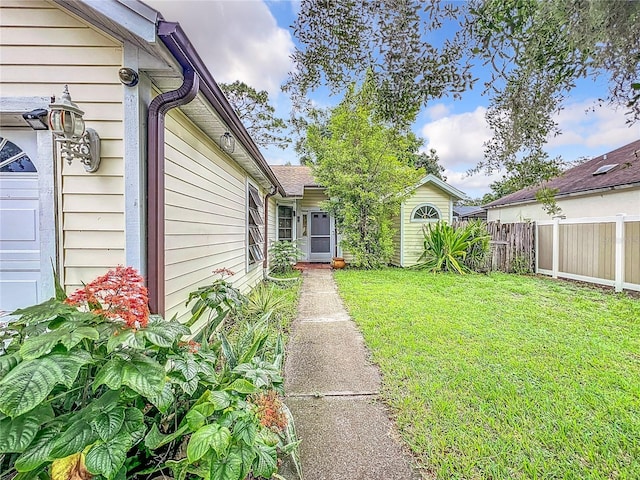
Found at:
[341, 40]
[257, 114]
[534, 50]
[364, 163]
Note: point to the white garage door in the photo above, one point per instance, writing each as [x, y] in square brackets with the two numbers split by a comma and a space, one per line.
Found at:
[19, 219]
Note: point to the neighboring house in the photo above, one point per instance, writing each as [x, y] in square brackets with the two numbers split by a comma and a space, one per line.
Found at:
[469, 212]
[181, 187]
[300, 216]
[604, 186]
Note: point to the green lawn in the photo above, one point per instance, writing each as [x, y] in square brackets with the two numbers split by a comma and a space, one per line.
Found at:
[503, 376]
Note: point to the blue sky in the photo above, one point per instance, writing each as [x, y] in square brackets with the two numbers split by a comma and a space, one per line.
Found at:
[250, 40]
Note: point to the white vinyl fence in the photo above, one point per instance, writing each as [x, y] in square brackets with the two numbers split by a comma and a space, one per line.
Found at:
[603, 250]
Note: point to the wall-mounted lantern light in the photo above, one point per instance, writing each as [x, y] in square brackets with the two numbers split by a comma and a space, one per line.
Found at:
[67, 125]
[37, 119]
[227, 142]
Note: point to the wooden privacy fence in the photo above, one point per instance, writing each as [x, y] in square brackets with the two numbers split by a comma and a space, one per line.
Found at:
[512, 246]
[604, 250]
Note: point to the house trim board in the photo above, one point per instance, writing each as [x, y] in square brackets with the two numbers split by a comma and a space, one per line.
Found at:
[134, 165]
[48, 202]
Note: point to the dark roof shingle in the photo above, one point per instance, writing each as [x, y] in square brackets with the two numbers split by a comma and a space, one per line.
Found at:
[580, 179]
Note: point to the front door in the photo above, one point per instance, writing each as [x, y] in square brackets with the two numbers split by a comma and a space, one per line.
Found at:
[319, 237]
[19, 221]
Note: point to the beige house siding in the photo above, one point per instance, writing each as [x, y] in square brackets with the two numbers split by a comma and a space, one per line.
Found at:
[312, 198]
[625, 201]
[44, 48]
[413, 237]
[205, 215]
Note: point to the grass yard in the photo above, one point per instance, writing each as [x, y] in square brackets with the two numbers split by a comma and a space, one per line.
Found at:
[504, 376]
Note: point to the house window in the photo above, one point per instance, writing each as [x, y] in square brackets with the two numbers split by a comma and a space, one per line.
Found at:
[255, 220]
[425, 213]
[13, 159]
[285, 223]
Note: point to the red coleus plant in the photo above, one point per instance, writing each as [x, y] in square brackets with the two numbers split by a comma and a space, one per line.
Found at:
[119, 294]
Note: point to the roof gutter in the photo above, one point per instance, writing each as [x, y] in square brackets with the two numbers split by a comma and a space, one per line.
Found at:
[158, 108]
[176, 40]
[196, 79]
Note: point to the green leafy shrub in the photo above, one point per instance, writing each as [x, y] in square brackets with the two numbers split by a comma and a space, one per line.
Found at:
[284, 255]
[90, 388]
[450, 249]
[217, 300]
[521, 265]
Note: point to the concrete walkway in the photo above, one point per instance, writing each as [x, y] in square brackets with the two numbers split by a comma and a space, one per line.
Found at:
[332, 392]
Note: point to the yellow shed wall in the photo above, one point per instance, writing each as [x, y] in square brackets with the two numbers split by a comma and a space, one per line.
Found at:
[44, 48]
[205, 215]
[412, 243]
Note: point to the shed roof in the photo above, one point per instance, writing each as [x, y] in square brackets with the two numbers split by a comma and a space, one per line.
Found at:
[581, 179]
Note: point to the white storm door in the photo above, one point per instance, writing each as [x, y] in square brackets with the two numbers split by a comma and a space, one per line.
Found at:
[320, 237]
[19, 222]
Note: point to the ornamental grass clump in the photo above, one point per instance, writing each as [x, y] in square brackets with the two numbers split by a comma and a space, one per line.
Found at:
[450, 249]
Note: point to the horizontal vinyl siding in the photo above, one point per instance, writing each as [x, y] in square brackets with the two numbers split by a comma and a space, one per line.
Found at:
[205, 215]
[312, 199]
[44, 48]
[413, 237]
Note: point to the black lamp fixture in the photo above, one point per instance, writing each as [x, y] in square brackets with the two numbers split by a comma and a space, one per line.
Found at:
[67, 125]
[37, 119]
[227, 142]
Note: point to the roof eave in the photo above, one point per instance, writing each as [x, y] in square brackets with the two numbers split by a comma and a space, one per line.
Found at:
[580, 193]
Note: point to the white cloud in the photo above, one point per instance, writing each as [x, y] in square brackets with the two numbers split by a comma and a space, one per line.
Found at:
[587, 125]
[458, 139]
[237, 40]
[474, 186]
[437, 111]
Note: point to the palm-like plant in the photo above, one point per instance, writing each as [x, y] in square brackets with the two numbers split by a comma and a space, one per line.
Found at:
[449, 249]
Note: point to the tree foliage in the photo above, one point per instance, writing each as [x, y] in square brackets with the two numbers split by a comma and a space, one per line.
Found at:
[534, 51]
[430, 162]
[537, 50]
[257, 114]
[341, 40]
[363, 163]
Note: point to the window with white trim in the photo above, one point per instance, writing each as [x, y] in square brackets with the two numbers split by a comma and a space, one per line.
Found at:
[285, 222]
[425, 213]
[255, 221]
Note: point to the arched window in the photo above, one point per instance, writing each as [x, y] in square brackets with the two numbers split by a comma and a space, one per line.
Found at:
[425, 213]
[13, 159]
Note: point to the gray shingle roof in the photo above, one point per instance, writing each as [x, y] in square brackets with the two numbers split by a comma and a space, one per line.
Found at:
[580, 179]
[294, 178]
